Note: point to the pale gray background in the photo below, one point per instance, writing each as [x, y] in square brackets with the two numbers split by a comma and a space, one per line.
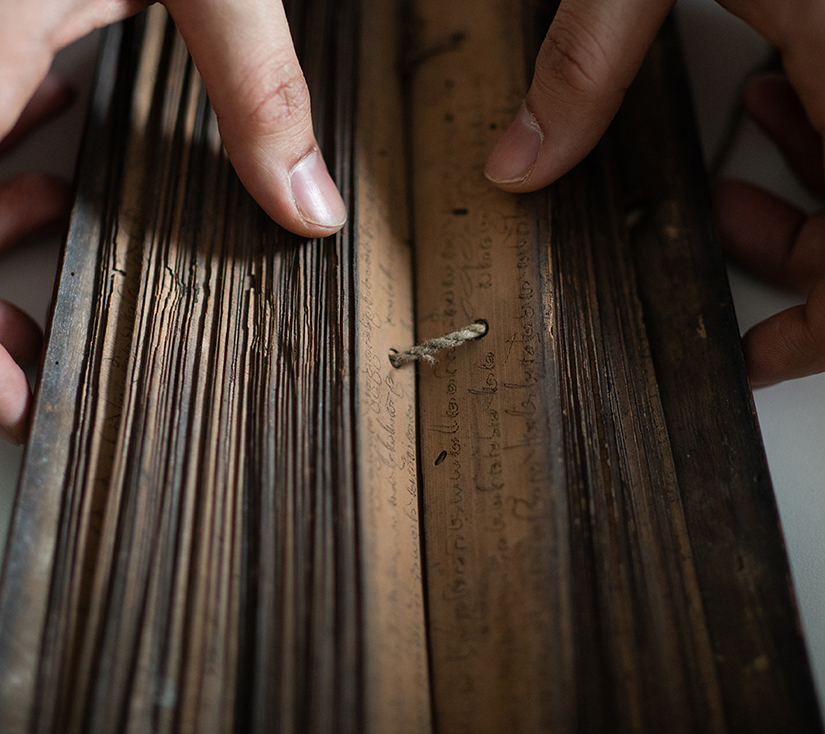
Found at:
[719, 51]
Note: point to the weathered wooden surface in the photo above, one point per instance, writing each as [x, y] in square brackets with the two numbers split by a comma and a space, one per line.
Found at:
[218, 527]
[603, 548]
[761, 666]
[204, 539]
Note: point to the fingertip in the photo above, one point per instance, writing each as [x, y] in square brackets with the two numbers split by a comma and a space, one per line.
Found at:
[788, 345]
[538, 148]
[15, 400]
[766, 235]
[768, 353]
[20, 334]
[590, 55]
[245, 55]
[301, 198]
[761, 371]
[11, 435]
[516, 152]
[316, 197]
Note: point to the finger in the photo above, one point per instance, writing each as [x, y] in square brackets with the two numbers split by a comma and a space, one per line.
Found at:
[244, 53]
[25, 63]
[19, 334]
[768, 236]
[30, 203]
[588, 59]
[788, 345]
[796, 28]
[52, 96]
[31, 34]
[15, 399]
[774, 105]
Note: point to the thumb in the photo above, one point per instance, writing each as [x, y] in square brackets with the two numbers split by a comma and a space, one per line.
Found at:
[15, 400]
[244, 52]
[588, 59]
[789, 344]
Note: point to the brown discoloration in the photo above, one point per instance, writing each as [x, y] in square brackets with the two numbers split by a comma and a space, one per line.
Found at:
[218, 527]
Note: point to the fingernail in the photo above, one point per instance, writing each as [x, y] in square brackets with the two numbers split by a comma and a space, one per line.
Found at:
[516, 152]
[6, 434]
[315, 194]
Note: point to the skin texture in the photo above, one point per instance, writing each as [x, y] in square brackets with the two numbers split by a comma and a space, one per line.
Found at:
[593, 50]
[29, 203]
[591, 54]
[244, 52]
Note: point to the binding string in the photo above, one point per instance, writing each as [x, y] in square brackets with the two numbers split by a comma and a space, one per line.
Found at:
[424, 352]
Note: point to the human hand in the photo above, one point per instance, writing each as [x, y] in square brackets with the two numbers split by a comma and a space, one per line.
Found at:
[591, 54]
[28, 203]
[243, 50]
[778, 242]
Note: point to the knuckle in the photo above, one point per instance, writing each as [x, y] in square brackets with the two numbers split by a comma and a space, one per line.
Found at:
[573, 61]
[276, 96]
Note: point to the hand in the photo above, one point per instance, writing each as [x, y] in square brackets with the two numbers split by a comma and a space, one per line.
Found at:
[28, 203]
[243, 50]
[777, 241]
[591, 54]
